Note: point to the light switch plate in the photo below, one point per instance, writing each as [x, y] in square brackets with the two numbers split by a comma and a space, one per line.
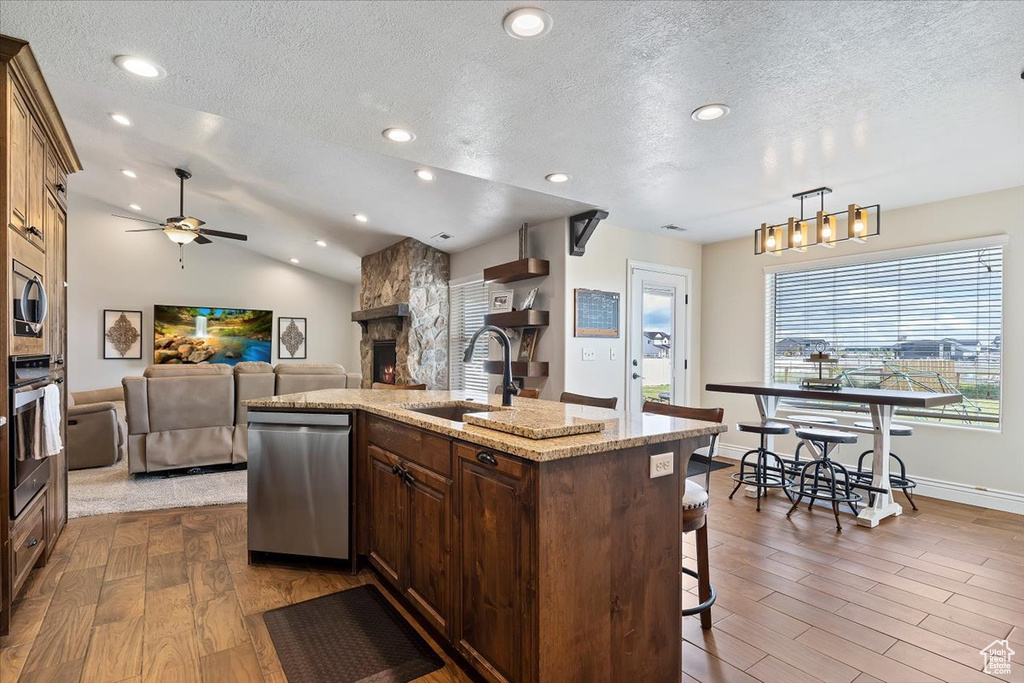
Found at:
[662, 465]
[590, 354]
[613, 354]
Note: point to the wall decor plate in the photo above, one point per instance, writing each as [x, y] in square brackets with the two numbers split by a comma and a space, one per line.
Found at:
[291, 338]
[122, 334]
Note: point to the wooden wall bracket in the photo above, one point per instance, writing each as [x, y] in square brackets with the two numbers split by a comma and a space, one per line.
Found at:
[581, 228]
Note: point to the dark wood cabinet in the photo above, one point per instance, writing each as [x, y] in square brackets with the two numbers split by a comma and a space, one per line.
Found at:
[494, 548]
[387, 512]
[410, 516]
[429, 523]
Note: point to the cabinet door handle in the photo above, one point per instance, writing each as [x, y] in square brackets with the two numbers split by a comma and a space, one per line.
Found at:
[408, 478]
[487, 459]
[72, 423]
[61, 188]
[33, 542]
[35, 231]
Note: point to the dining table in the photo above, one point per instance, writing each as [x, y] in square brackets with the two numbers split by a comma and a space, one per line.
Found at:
[881, 404]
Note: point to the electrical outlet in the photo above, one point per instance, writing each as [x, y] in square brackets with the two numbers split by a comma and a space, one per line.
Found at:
[589, 354]
[613, 353]
[662, 465]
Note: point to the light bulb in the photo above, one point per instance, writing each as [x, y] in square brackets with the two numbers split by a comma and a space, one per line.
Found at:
[797, 237]
[858, 223]
[826, 228]
[771, 240]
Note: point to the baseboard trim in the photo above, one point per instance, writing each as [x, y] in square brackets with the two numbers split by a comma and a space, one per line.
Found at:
[993, 499]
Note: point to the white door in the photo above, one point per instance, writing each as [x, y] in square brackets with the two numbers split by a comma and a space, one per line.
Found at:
[658, 342]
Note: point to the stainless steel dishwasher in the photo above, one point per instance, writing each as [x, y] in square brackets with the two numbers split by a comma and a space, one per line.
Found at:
[299, 471]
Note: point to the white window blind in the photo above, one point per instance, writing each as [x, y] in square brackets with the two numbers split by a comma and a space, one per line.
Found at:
[926, 323]
[468, 301]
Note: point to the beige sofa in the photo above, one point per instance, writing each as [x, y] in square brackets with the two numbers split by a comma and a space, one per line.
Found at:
[97, 431]
[183, 416]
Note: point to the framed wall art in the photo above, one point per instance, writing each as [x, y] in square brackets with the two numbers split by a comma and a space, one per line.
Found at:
[528, 345]
[501, 300]
[291, 338]
[122, 335]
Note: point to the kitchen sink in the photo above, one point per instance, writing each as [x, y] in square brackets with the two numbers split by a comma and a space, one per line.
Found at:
[454, 411]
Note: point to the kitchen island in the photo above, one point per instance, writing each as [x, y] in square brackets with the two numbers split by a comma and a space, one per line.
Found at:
[536, 559]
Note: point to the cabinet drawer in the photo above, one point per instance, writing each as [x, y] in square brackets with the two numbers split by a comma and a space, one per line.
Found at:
[423, 448]
[29, 542]
[499, 462]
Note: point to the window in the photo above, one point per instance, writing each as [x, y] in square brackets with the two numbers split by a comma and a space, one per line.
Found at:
[924, 322]
[468, 301]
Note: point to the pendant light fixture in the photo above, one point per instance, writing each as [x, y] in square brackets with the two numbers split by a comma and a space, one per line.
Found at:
[862, 222]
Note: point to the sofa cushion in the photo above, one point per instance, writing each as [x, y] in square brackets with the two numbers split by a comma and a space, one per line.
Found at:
[309, 369]
[154, 371]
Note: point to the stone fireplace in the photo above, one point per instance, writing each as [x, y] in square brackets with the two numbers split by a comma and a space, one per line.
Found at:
[403, 305]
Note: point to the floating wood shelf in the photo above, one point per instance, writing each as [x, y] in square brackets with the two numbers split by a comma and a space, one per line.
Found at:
[527, 318]
[519, 368]
[399, 311]
[514, 271]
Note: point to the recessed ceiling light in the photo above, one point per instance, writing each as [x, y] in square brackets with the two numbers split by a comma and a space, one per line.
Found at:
[709, 112]
[128, 172]
[135, 207]
[556, 177]
[528, 22]
[424, 174]
[294, 260]
[120, 118]
[321, 243]
[139, 66]
[361, 217]
[398, 135]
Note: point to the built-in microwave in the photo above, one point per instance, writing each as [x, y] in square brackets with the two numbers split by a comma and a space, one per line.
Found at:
[29, 301]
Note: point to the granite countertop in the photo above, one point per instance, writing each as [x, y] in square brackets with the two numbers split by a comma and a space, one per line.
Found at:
[619, 429]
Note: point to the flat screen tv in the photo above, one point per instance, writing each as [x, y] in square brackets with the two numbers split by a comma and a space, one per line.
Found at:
[190, 334]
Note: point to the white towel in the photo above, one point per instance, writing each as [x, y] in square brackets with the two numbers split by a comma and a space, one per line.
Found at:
[52, 443]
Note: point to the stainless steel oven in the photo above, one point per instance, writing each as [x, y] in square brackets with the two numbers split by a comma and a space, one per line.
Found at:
[29, 305]
[29, 468]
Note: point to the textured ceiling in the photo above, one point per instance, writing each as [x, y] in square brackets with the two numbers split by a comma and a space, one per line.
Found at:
[278, 108]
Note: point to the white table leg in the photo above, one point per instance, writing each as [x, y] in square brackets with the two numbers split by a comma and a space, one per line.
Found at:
[884, 506]
[767, 406]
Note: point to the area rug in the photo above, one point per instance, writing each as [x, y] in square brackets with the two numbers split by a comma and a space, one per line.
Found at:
[103, 490]
[354, 635]
[698, 465]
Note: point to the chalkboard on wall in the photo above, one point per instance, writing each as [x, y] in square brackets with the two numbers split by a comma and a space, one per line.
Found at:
[597, 313]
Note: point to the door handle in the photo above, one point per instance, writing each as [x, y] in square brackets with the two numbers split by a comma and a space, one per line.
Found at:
[636, 376]
[487, 459]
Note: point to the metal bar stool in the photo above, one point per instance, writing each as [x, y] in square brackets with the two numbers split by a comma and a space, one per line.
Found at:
[896, 481]
[760, 474]
[695, 507]
[805, 421]
[825, 482]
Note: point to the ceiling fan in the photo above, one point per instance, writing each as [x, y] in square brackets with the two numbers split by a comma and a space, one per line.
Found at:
[182, 229]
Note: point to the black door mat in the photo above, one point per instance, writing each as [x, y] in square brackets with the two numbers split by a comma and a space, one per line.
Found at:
[699, 465]
[348, 637]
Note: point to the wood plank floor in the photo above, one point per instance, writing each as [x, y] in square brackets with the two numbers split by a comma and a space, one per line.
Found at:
[168, 596]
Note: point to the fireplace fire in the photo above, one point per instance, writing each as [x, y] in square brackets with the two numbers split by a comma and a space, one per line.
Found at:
[384, 361]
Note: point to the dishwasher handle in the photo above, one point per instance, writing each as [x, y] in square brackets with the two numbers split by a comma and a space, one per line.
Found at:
[276, 417]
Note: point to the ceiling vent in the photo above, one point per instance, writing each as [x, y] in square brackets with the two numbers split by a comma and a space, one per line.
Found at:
[442, 236]
[673, 228]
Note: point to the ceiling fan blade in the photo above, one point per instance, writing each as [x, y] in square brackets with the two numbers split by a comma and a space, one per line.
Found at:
[202, 240]
[146, 230]
[133, 218]
[221, 233]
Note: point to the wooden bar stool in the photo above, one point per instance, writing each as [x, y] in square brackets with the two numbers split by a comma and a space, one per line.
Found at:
[825, 482]
[596, 402]
[768, 471]
[896, 481]
[694, 509]
[523, 393]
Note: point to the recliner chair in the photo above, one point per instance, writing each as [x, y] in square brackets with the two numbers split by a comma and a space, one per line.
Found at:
[97, 431]
[298, 377]
[181, 416]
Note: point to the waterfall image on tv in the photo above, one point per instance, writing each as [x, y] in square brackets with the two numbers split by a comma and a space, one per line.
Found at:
[187, 334]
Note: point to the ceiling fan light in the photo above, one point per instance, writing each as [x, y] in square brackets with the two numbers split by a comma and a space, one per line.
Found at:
[180, 236]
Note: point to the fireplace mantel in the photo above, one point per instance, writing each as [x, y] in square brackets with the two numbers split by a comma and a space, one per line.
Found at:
[399, 311]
